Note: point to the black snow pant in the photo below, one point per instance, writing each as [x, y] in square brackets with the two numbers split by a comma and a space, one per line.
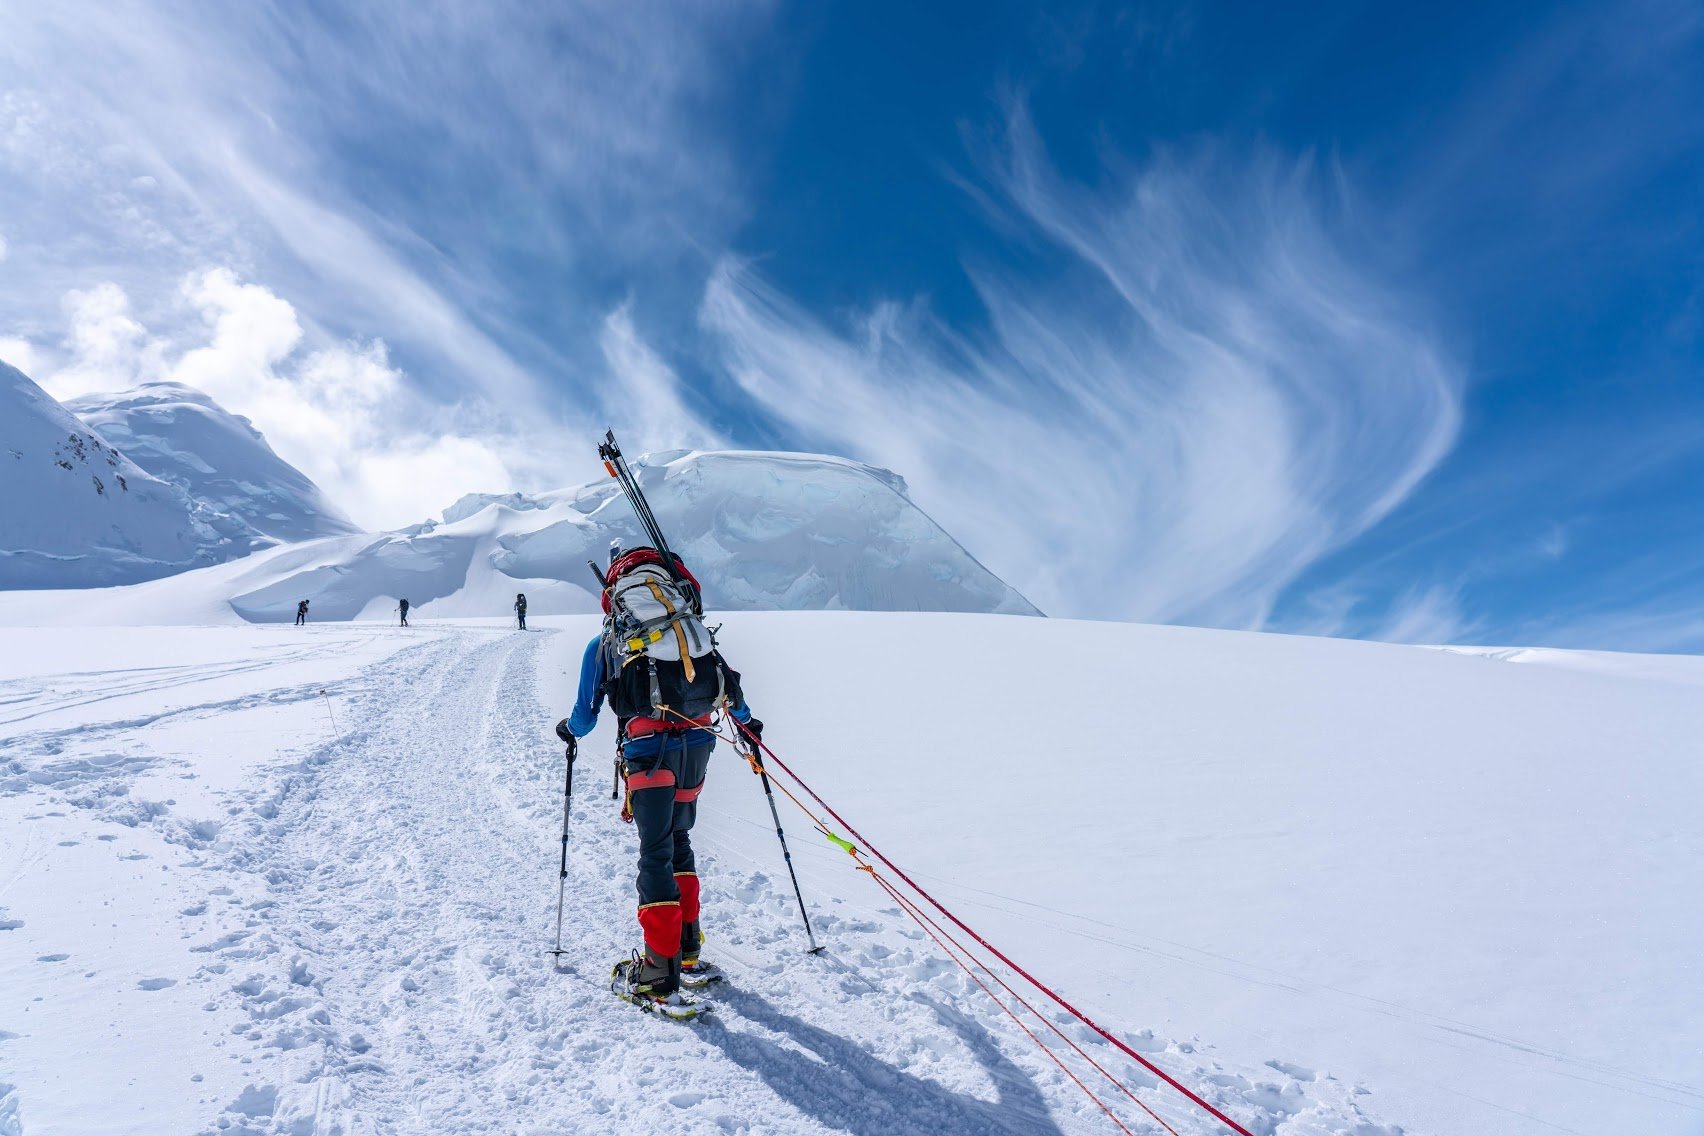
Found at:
[664, 800]
[521, 618]
[301, 618]
[662, 795]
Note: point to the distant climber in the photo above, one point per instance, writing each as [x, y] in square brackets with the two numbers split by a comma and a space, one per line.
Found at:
[655, 662]
[403, 608]
[521, 611]
[301, 612]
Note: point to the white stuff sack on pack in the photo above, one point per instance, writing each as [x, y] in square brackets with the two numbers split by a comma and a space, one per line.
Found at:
[651, 615]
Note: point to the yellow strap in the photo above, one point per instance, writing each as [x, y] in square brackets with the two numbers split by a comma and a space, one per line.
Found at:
[680, 636]
[685, 655]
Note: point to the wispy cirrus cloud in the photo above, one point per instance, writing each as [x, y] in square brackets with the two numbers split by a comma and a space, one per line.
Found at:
[460, 182]
[644, 397]
[1204, 396]
[432, 216]
[1425, 615]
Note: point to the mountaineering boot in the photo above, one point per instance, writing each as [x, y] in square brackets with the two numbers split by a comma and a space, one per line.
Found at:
[695, 973]
[647, 976]
[652, 983]
[658, 974]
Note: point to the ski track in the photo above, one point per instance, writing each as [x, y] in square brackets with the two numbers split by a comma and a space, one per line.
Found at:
[38, 697]
[393, 978]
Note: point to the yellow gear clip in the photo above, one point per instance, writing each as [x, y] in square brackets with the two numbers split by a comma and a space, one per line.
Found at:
[640, 642]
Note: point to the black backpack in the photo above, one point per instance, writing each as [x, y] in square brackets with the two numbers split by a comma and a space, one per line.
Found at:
[639, 686]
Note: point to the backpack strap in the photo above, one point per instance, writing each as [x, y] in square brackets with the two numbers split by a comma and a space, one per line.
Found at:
[673, 618]
[656, 687]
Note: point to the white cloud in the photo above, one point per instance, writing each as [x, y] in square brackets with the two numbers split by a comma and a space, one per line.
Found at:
[1425, 615]
[645, 403]
[19, 353]
[141, 137]
[108, 346]
[252, 332]
[4, 247]
[1206, 399]
[342, 414]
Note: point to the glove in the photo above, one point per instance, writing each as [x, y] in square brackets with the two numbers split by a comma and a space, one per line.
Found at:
[568, 739]
[754, 727]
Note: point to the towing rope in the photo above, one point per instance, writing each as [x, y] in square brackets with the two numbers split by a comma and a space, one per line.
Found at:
[942, 938]
[941, 942]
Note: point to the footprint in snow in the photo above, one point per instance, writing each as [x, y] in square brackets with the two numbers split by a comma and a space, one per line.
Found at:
[156, 983]
[1299, 1072]
[52, 958]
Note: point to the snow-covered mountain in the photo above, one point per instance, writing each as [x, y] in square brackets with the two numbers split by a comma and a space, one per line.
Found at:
[763, 531]
[161, 479]
[182, 436]
[122, 488]
[76, 512]
[760, 531]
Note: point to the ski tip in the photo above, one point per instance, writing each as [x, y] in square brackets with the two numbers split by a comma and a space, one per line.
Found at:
[816, 950]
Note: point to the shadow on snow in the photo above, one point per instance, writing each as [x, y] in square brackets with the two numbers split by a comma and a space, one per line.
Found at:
[852, 1090]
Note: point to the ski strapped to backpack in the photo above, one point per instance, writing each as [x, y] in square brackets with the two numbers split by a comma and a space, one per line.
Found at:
[618, 468]
[660, 660]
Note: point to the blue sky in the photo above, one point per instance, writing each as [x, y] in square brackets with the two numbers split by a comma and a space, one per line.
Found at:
[1356, 321]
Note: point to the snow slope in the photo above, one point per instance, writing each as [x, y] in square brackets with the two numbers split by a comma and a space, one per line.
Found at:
[75, 512]
[182, 436]
[760, 530]
[1340, 887]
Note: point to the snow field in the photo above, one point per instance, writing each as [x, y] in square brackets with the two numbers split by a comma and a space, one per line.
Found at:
[1337, 887]
[363, 948]
[1447, 877]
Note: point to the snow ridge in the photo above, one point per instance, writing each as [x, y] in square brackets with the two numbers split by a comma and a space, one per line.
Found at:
[762, 531]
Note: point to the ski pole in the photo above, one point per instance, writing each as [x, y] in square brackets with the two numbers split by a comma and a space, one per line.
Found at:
[756, 760]
[573, 747]
[332, 715]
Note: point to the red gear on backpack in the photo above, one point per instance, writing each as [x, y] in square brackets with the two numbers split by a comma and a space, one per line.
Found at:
[634, 557]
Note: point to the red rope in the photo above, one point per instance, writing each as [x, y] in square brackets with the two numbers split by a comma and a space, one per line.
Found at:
[918, 917]
[996, 951]
[938, 933]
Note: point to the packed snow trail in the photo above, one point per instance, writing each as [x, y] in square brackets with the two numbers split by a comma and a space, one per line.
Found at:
[425, 932]
[410, 900]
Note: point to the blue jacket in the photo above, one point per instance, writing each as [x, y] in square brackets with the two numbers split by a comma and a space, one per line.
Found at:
[590, 700]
